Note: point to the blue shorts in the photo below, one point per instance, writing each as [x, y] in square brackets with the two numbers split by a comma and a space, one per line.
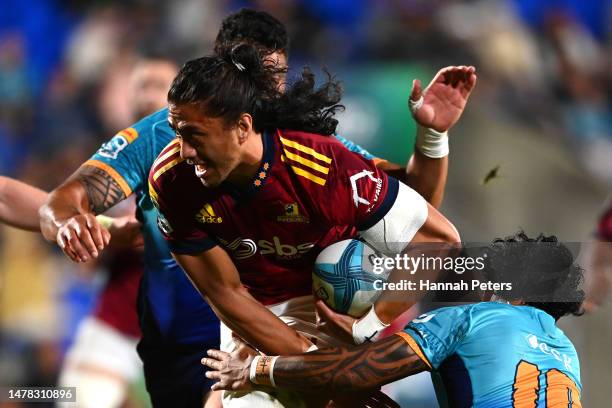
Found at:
[174, 376]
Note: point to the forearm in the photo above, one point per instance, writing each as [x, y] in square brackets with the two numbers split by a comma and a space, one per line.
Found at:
[66, 201]
[19, 204]
[427, 176]
[339, 369]
[253, 322]
[88, 190]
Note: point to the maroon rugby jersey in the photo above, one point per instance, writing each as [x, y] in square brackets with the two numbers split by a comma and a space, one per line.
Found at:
[117, 303]
[309, 192]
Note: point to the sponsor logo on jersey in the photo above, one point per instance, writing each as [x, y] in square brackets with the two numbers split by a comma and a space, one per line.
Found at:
[424, 318]
[357, 199]
[207, 215]
[120, 141]
[536, 344]
[292, 214]
[242, 248]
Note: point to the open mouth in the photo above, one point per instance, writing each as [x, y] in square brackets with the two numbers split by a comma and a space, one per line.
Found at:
[200, 170]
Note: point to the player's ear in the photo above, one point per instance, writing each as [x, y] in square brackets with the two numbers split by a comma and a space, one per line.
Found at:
[245, 123]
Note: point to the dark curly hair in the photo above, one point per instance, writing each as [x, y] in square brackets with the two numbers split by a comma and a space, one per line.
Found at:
[239, 79]
[255, 27]
[542, 272]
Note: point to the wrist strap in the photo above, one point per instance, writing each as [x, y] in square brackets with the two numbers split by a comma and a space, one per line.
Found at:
[261, 371]
[252, 368]
[431, 143]
[368, 328]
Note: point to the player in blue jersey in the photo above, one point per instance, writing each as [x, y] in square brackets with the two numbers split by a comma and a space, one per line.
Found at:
[503, 354]
[176, 322]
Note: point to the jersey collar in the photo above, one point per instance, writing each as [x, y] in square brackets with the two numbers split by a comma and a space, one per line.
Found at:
[263, 174]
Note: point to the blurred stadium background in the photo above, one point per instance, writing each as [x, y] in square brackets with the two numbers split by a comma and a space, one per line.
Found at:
[541, 111]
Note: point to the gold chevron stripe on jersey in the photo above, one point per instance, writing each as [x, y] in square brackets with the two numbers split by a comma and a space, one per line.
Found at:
[166, 167]
[153, 195]
[305, 149]
[306, 174]
[306, 162]
[172, 148]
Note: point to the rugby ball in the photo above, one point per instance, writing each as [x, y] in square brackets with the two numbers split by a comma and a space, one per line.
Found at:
[348, 276]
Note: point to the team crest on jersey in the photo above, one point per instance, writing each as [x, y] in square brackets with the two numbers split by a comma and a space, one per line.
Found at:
[120, 141]
[357, 198]
[207, 215]
[292, 214]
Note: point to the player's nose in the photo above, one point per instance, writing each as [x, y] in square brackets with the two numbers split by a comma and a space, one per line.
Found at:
[187, 151]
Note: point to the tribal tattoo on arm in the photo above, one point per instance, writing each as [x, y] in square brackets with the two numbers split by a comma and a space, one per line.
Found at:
[103, 191]
[340, 369]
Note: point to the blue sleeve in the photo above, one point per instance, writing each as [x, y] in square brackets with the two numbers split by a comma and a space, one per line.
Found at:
[129, 155]
[355, 148]
[438, 333]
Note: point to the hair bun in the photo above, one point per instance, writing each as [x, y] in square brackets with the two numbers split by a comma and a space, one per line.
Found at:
[244, 56]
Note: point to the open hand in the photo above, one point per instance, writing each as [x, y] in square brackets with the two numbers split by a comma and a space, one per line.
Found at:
[444, 98]
[231, 370]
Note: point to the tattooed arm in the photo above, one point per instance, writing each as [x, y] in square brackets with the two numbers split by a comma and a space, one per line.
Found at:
[68, 216]
[327, 370]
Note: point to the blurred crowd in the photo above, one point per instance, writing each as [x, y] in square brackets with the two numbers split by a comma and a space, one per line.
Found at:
[64, 68]
[63, 64]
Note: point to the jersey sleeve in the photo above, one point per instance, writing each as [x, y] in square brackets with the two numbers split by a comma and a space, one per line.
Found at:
[386, 213]
[128, 156]
[357, 192]
[182, 234]
[436, 335]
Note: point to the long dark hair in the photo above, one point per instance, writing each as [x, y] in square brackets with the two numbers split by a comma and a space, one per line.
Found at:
[239, 79]
[542, 272]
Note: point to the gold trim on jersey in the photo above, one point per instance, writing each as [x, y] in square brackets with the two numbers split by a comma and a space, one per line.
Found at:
[305, 149]
[153, 195]
[166, 167]
[173, 147]
[414, 346]
[308, 175]
[306, 162]
[292, 157]
[125, 187]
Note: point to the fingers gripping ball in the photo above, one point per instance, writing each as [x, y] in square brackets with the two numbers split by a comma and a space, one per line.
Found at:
[348, 276]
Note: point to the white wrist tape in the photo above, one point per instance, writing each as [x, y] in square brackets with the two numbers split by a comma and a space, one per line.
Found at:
[368, 328]
[431, 143]
[312, 348]
[252, 369]
[256, 369]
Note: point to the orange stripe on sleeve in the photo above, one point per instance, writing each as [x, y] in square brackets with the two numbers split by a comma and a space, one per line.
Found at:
[414, 346]
[125, 187]
[378, 161]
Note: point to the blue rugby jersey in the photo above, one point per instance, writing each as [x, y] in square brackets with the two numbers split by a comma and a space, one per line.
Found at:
[497, 355]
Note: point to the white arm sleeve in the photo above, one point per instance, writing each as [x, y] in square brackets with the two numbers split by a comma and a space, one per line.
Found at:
[396, 229]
